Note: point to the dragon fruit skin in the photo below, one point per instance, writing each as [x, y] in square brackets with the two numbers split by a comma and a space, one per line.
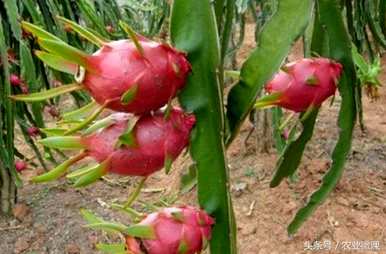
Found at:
[15, 80]
[20, 165]
[33, 131]
[304, 83]
[119, 66]
[177, 230]
[156, 139]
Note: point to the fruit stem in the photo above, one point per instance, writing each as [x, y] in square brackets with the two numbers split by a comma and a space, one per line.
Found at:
[133, 196]
[307, 113]
[133, 214]
[286, 121]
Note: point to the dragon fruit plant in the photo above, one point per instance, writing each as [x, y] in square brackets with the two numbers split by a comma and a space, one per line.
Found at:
[133, 76]
[302, 85]
[124, 146]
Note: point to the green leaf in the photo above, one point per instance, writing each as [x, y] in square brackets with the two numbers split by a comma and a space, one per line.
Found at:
[53, 131]
[382, 16]
[275, 42]
[90, 15]
[92, 175]
[109, 227]
[194, 30]
[80, 113]
[63, 142]
[13, 17]
[101, 124]
[268, 100]
[112, 248]
[82, 171]
[57, 62]
[189, 179]
[290, 158]
[28, 74]
[128, 137]
[84, 32]
[84, 123]
[340, 49]
[280, 142]
[27, 67]
[93, 219]
[64, 51]
[39, 32]
[90, 217]
[359, 61]
[58, 171]
[33, 11]
[48, 94]
[141, 231]
[373, 25]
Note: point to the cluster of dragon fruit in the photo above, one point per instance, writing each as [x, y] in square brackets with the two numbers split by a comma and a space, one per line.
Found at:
[134, 81]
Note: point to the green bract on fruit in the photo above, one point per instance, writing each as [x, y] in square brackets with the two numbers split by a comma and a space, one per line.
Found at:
[121, 147]
[176, 230]
[302, 84]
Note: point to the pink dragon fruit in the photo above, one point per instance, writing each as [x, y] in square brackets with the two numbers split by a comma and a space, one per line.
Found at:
[153, 77]
[20, 165]
[15, 80]
[33, 131]
[135, 76]
[176, 230]
[154, 142]
[302, 84]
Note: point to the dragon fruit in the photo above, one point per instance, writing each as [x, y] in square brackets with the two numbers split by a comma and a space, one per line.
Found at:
[302, 84]
[156, 140]
[176, 230]
[15, 80]
[33, 131]
[20, 165]
[152, 143]
[135, 76]
[153, 78]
